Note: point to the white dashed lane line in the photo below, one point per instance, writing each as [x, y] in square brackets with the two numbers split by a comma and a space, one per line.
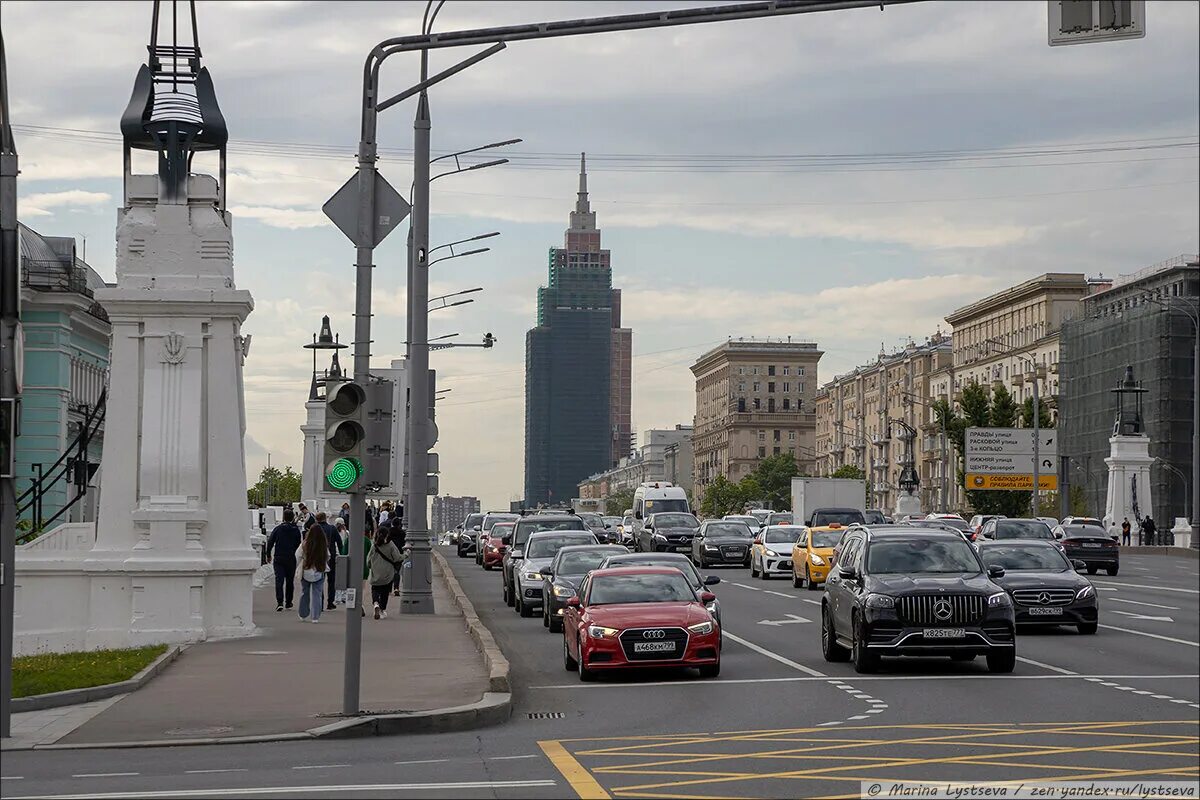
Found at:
[744, 586]
[1123, 688]
[781, 594]
[323, 766]
[106, 775]
[1136, 603]
[214, 771]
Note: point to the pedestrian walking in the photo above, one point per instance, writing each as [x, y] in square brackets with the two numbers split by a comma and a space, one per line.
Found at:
[284, 541]
[385, 513]
[384, 563]
[305, 517]
[1125, 531]
[314, 563]
[399, 537]
[345, 513]
[333, 540]
[1149, 529]
[366, 575]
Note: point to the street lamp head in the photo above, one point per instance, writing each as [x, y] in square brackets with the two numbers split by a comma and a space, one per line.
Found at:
[484, 165]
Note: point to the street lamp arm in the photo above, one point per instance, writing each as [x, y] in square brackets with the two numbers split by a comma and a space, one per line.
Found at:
[460, 255]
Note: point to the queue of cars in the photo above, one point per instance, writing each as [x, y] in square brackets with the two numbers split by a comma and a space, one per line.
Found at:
[635, 596]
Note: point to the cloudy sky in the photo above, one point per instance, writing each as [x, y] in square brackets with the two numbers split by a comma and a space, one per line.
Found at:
[846, 177]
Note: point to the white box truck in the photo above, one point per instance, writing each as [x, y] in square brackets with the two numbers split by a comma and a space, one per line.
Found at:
[820, 501]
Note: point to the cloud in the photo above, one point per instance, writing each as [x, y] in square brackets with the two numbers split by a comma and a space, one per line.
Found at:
[39, 205]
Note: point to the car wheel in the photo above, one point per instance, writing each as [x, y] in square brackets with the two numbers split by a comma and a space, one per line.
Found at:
[462, 553]
[585, 675]
[508, 600]
[829, 646]
[753, 569]
[556, 624]
[524, 610]
[487, 567]
[796, 582]
[1112, 570]
[809, 582]
[962, 656]
[1091, 570]
[1002, 660]
[546, 615]
[515, 591]
[710, 670]
[865, 661]
[569, 664]
[1087, 628]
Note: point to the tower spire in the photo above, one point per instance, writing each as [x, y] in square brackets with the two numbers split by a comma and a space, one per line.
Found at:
[583, 218]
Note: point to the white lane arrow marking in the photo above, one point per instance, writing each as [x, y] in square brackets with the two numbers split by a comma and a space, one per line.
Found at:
[793, 620]
[1142, 616]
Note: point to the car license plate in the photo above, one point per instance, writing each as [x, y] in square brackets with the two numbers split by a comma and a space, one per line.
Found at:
[684, 548]
[945, 633]
[1091, 544]
[1049, 611]
[654, 647]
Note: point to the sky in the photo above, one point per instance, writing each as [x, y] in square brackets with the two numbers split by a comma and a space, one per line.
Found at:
[847, 177]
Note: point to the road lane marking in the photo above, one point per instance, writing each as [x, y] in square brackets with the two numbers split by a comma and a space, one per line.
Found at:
[807, 600]
[106, 775]
[744, 586]
[1141, 616]
[1153, 588]
[764, 651]
[12, 777]
[255, 791]
[780, 594]
[792, 619]
[1107, 589]
[511, 758]
[424, 761]
[1050, 667]
[323, 766]
[213, 771]
[862, 679]
[1151, 635]
[1151, 605]
[587, 787]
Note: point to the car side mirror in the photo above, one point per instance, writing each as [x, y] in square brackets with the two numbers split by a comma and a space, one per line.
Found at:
[477, 528]
[847, 572]
[1058, 535]
[712, 580]
[573, 602]
[995, 571]
[506, 539]
[707, 597]
[1078, 565]
[547, 571]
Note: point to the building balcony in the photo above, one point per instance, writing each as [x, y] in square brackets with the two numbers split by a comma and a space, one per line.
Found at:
[858, 445]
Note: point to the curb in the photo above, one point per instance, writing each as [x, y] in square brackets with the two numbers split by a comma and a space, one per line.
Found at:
[1155, 550]
[71, 697]
[493, 658]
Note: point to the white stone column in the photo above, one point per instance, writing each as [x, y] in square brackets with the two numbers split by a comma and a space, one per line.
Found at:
[1130, 458]
[313, 430]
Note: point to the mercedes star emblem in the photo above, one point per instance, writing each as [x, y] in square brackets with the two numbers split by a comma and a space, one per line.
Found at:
[1044, 598]
[943, 610]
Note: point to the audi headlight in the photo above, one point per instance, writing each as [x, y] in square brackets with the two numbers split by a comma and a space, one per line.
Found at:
[701, 628]
[711, 547]
[491, 548]
[880, 601]
[816, 560]
[601, 632]
[564, 591]
[1086, 591]
[712, 607]
[531, 576]
[999, 600]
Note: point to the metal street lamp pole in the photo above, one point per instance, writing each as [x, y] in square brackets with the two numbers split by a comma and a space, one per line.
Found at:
[945, 488]
[1182, 479]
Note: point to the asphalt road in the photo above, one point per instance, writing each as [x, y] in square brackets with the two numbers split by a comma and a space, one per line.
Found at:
[779, 722]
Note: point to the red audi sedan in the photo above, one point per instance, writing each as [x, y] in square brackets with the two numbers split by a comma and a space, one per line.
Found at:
[494, 550]
[634, 617]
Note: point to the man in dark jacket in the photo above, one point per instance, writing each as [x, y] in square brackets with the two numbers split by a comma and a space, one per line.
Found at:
[284, 540]
[1148, 530]
[335, 546]
[398, 536]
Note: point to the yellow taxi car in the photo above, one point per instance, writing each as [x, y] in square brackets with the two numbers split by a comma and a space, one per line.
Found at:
[812, 555]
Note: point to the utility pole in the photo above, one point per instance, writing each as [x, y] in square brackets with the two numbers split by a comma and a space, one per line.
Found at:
[10, 390]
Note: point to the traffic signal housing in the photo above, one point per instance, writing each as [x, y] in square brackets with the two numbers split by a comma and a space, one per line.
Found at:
[345, 436]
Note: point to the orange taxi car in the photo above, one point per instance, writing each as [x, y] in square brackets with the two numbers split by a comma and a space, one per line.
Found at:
[812, 555]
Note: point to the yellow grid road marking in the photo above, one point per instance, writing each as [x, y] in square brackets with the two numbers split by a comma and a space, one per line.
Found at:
[580, 779]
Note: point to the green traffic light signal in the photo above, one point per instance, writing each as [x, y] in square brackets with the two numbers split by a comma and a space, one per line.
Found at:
[344, 473]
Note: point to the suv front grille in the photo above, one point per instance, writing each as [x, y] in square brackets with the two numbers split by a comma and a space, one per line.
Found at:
[1044, 597]
[941, 609]
[676, 636]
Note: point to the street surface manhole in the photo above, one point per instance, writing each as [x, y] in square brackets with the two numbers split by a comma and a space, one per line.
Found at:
[266, 652]
[546, 715]
[209, 731]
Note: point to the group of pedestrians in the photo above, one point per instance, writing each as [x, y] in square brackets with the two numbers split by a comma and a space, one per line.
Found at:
[311, 543]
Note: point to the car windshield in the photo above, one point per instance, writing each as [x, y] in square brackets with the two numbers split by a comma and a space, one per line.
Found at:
[490, 522]
[579, 562]
[826, 538]
[737, 529]
[782, 535]
[1094, 523]
[627, 521]
[548, 546]
[1016, 557]
[873, 517]
[502, 529]
[951, 522]
[530, 526]
[649, 560]
[780, 519]
[841, 517]
[473, 520]
[753, 521]
[614, 521]
[910, 556]
[646, 588]
[661, 505]
[675, 521]
[1022, 529]
[592, 520]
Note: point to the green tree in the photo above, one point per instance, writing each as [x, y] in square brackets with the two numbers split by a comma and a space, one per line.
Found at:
[1044, 419]
[1003, 410]
[983, 408]
[721, 497]
[849, 471]
[773, 477]
[275, 487]
[618, 501]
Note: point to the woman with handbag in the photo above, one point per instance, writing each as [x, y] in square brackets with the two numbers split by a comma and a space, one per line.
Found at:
[314, 563]
[384, 560]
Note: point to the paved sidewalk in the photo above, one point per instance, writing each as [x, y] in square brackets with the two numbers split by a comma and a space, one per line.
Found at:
[288, 679]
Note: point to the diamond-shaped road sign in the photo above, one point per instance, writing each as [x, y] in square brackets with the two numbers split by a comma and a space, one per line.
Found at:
[390, 210]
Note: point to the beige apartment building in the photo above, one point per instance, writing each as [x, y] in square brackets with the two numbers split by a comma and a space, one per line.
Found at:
[754, 398]
[853, 415]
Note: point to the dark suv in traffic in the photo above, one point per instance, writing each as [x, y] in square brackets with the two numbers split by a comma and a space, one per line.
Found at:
[900, 591]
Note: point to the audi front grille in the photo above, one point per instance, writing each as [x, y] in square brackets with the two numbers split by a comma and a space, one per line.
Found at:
[942, 609]
[677, 635]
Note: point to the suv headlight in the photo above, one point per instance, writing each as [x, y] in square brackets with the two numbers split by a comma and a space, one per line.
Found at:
[712, 607]
[880, 601]
[563, 591]
[816, 560]
[531, 576]
[1086, 591]
[701, 628]
[999, 600]
[601, 632]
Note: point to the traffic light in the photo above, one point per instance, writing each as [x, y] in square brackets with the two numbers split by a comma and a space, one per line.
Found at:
[377, 424]
[345, 436]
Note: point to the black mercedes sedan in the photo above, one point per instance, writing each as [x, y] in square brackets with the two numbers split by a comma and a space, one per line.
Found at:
[1043, 583]
[1090, 545]
[722, 541]
[561, 579]
[903, 591]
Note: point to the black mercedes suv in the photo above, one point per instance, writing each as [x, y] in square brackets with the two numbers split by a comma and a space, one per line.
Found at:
[900, 591]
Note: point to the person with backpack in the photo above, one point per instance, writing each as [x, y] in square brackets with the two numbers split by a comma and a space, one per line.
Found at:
[284, 541]
[383, 562]
[399, 537]
[314, 563]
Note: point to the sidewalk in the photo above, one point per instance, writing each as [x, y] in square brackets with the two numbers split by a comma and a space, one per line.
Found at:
[289, 679]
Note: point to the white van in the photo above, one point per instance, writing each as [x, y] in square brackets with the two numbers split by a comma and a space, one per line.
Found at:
[655, 498]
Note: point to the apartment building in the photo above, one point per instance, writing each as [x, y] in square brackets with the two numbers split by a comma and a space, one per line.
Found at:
[448, 511]
[754, 398]
[665, 455]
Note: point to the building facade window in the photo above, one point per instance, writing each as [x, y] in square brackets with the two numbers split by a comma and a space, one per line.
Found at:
[770, 386]
[792, 438]
[762, 452]
[786, 404]
[771, 370]
[757, 404]
[776, 435]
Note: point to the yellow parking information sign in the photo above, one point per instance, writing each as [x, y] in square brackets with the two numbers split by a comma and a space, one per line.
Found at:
[973, 480]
